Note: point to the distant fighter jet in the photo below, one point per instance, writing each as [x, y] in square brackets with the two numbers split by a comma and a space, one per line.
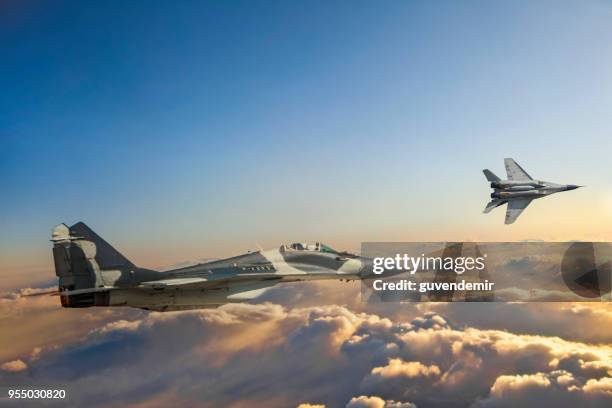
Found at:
[92, 273]
[518, 190]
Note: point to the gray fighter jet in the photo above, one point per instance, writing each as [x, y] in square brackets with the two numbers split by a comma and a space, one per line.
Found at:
[519, 190]
[92, 273]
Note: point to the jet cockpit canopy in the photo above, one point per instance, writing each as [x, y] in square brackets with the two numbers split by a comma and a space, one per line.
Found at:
[303, 246]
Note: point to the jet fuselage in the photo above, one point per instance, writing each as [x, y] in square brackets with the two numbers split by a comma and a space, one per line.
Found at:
[502, 184]
[528, 190]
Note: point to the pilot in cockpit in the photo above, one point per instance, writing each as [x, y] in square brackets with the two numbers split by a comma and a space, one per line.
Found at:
[302, 246]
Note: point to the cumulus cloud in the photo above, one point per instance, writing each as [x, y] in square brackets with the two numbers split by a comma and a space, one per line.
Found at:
[517, 383]
[602, 385]
[32, 325]
[584, 322]
[410, 369]
[267, 354]
[14, 366]
[366, 402]
[376, 402]
[445, 354]
[399, 377]
[552, 389]
[580, 321]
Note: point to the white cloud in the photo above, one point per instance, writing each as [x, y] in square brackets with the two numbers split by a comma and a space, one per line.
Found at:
[602, 385]
[376, 402]
[13, 366]
[426, 354]
[517, 383]
[399, 368]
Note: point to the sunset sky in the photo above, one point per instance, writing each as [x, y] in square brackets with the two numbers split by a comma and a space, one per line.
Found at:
[200, 130]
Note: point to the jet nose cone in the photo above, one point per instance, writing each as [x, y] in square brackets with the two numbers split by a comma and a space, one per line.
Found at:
[572, 187]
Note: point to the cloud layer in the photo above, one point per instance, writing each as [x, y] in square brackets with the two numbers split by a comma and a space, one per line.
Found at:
[270, 355]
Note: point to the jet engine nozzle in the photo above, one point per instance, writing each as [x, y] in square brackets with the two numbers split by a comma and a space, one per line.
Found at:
[85, 299]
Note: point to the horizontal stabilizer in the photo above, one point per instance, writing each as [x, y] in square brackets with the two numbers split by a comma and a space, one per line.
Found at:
[490, 175]
[494, 204]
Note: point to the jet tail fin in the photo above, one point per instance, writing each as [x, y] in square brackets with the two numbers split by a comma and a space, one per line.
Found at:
[106, 256]
[80, 256]
[490, 175]
[494, 204]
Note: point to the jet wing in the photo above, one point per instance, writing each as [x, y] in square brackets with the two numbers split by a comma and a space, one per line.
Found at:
[209, 282]
[173, 283]
[242, 288]
[251, 291]
[515, 208]
[212, 281]
[515, 172]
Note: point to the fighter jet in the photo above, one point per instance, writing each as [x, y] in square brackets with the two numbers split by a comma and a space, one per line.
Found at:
[519, 190]
[92, 273]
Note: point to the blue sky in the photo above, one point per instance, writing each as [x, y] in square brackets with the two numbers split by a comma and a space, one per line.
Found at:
[205, 128]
